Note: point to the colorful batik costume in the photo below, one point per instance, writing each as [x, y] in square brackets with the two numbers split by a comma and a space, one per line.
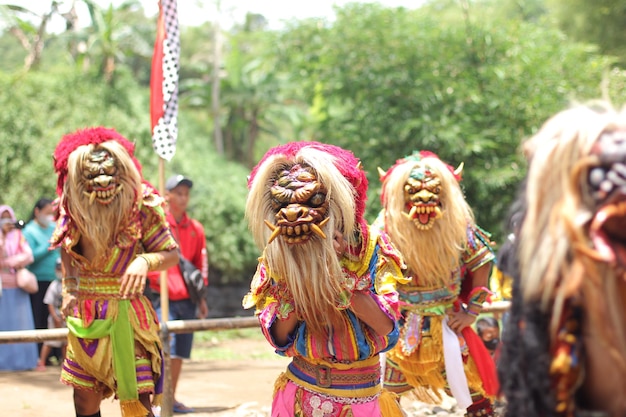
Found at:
[113, 344]
[341, 376]
[418, 358]
[448, 258]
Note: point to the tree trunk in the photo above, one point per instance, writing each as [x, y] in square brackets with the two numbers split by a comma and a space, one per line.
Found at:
[34, 48]
[215, 90]
[253, 133]
[109, 68]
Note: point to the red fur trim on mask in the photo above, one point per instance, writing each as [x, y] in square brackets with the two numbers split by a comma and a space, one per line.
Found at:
[93, 135]
[345, 162]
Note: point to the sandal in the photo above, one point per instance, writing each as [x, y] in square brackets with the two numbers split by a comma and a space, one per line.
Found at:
[181, 408]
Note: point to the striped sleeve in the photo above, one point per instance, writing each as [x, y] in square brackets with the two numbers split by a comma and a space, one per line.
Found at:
[156, 232]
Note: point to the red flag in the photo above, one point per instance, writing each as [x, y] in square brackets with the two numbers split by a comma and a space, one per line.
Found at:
[164, 81]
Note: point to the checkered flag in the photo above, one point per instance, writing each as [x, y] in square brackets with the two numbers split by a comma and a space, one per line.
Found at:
[164, 81]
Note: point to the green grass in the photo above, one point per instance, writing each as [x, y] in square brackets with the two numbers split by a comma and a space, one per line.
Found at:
[236, 344]
[215, 336]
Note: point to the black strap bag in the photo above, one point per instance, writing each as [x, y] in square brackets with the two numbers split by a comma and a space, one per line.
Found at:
[193, 280]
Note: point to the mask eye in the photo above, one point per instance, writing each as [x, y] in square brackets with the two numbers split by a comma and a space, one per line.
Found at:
[275, 203]
[317, 200]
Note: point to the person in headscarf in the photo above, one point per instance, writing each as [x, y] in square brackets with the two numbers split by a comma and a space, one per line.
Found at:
[15, 307]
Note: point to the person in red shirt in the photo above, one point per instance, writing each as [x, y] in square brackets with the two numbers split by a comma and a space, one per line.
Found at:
[189, 233]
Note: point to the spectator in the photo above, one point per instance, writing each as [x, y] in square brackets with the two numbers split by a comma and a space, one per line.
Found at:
[38, 232]
[488, 330]
[15, 309]
[53, 300]
[189, 234]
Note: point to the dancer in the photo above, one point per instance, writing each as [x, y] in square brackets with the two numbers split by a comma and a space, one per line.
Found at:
[564, 348]
[324, 289]
[449, 260]
[111, 231]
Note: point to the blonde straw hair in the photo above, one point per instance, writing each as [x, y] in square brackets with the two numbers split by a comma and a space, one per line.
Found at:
[311, 270]
[430, 254]
[99, 224]
[557, 258]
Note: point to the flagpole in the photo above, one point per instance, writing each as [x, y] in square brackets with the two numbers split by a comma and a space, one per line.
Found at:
[167, 401]
[164, 129]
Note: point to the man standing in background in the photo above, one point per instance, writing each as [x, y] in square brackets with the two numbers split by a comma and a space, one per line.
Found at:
[189, 233]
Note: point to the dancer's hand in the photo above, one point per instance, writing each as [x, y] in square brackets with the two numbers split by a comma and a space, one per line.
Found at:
[133, 282]
[203, 309]
[338, 243]
[458, 320]
[68, 304]
[368, 311]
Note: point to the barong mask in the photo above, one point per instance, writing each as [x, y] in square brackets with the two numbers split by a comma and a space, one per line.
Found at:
[301, 194]
[426, 214]
[101, 178]
[421, 193]
[572, 257]
[301, 204]
[608, 188]
[99, 183]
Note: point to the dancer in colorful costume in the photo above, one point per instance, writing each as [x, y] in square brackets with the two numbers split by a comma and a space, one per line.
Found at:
[111, 231]
[564, 351]
[449, 260]
[324, 289]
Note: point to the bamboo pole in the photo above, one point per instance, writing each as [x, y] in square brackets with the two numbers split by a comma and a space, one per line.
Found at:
[167, 401]
[183, 326]
[174, 326]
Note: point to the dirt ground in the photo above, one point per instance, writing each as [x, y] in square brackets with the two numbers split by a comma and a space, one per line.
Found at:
[214, 388]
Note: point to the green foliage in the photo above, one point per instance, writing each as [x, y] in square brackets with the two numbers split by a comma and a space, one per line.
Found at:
[252, 105]
[467, 83]
[217, 201]
[385, 82]
[196, 52]
[38, 109]
[13, 54]
[600, 22]
[114, 35]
